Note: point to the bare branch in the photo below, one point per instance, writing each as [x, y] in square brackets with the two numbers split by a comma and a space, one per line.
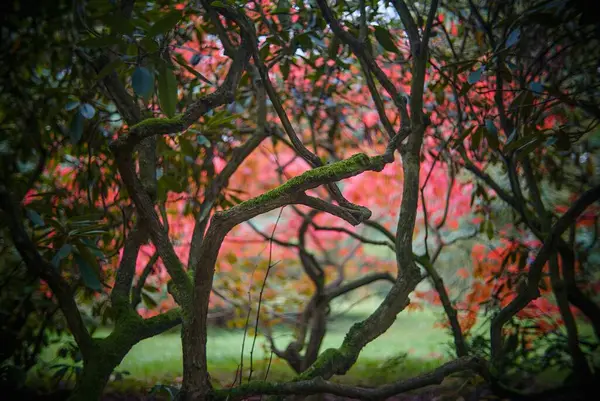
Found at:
[136, 296]
[409, 24]
[358, 283]
[354, 235]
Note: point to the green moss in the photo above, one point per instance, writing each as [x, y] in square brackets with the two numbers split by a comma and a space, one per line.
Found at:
[330, 361]
[331, 172]
[156, 123]
[252, 388]
[349, 342]
[378, 162]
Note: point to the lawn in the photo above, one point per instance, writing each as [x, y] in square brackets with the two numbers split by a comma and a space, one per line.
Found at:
[158, 359]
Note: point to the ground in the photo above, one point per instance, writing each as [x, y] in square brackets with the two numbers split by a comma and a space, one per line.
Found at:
[413, 345]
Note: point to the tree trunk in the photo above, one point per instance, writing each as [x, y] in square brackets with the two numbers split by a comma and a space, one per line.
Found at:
[196, 381]
[97, 368]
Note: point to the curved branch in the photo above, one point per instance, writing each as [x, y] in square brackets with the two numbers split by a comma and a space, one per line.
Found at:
[136, 296]
[45, 270]
[531, 290]
[353, 285]
[319, 385]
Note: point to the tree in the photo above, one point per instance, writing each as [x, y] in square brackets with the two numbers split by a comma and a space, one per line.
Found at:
[513, 79]
[141, 116]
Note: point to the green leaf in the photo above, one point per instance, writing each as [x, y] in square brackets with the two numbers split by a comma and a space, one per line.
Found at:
[62, 253]
[110, 67]
[88, 275]
[148, 301]
[35, 218]
[149, 44]
[203, 141]
[170, 183]
[529, 147]
[513, 38]
[285, 69]
[87, 111]
[423, 260]
[489, 229]
[167, 91]
[71, 105]
[264, 51]
[491, 133]
[334, 47]
[476, 137]
[119, 24]
[195, 59]
[536, 88]
[284, 19]
[142, 82]
[186, 147]
[151, 289]
[76, 128]
[385, 39]
[165, 24]
[476, 75]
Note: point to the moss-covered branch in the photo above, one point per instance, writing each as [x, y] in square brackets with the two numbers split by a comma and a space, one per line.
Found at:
[290, 191]
[223, 95]
[318, 385]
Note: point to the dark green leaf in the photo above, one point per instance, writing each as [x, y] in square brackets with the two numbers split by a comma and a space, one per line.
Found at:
[167, 91]
[513, 38]
[491, 134]
[334, 48]
[170, 183]
[88, 274]
[476, 137]
[529, 147]
[536, 88]
[195, 59]
[285, 69]
[110, 67]
[149, 44]
[489, 229]
[465, 88]
[385, 39]
[142, 82]
[76, 128]
[120, 24]
[476, 75]
[62, 253]
[284, 19]
[35, 218]
[165, 24]
[264, 51]
[151, 289]
[148, 301]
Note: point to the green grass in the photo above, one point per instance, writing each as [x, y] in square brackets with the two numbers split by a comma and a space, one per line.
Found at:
[158, 359]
